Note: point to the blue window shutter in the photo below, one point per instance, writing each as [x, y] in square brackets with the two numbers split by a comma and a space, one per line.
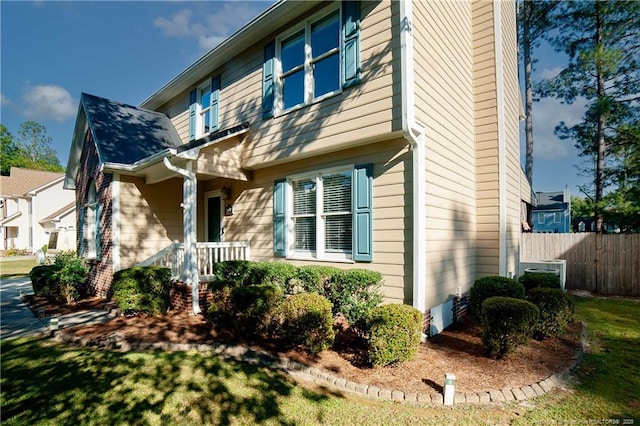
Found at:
[268, 82]
[350, 52]
[363, 213]
[81, 245]
[215, 101]
[98, 232]
[279, 219]
[192, 114]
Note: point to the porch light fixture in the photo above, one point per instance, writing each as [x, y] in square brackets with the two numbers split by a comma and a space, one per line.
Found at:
[228, 210]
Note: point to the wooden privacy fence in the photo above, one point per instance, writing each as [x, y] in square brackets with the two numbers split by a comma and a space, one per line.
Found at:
[619, 272]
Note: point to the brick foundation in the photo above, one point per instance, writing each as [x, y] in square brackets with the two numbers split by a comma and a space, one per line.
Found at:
[180, 297]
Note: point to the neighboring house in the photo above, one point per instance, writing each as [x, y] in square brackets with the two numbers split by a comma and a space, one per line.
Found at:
[36, 210]
[378, 135]
[588, 224]
[552, 214]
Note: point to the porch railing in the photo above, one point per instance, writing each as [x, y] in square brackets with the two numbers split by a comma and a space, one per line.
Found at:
[208, 255]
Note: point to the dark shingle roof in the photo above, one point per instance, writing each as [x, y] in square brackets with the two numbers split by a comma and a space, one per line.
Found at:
[551, 201]
[125, 134]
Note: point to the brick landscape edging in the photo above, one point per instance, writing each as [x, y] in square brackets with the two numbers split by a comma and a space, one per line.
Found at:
[115, 341]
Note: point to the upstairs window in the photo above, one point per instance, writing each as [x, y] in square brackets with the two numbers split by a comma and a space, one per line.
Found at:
[557, 217]
[313, 60]
[309, 62]
[203, 109]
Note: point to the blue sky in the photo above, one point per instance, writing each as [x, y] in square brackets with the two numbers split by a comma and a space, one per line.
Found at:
[125, 51]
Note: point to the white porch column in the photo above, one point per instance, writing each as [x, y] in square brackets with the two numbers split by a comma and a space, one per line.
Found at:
[189, 219]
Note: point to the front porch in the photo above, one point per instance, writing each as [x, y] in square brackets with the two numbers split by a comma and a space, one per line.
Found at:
[207, 255]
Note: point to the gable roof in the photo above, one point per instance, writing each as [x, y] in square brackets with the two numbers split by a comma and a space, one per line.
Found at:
[69, 208]
[551, 201]
[123, 134]
[22, 181]
[255, 31]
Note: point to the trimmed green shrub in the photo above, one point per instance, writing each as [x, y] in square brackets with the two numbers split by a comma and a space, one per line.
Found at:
[280, 274]
[305, 320]
[221, 311]
[507, 323]
[43, 280]
[252, 307]
[556, 311]
[486, 287]
[233, 270]
[142, 289]
[393, 332]
[354, 293]
[316, 278]
[70, 276]
[547, 280]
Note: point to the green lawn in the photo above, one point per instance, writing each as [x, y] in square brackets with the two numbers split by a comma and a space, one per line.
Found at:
[46, 383]
[10, 267]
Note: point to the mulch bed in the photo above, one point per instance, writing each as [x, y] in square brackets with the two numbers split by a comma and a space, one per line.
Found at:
[456, 350]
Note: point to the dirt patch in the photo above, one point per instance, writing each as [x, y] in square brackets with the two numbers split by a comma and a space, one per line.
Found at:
[457, 350]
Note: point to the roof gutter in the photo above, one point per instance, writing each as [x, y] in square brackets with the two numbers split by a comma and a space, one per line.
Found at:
[190, 198]
[415, 134]
[140, 164]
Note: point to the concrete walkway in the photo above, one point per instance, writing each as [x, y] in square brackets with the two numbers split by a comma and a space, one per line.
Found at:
[17, 320]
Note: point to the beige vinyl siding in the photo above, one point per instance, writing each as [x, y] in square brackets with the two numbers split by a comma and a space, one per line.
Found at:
[445, 105]
[486, 129]
[253, 210]
[150, 218]
[365, 113]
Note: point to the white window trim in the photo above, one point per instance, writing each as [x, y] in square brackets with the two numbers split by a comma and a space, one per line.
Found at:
[320, 254]
[199, 109]
[91, 224]
[308, 62]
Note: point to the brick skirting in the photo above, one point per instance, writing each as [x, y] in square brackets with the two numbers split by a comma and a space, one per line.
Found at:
[180, 296]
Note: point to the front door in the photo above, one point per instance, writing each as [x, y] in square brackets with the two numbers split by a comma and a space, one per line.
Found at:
[214, 218]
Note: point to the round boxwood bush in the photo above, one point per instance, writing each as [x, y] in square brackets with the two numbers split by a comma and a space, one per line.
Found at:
[507, 323]
[280, 274]
[43, 279]
[305, 320]
[142, 289]
[532, 280]
[233, 270]
[316, 278]
[253, 307]
[492, 286]
[354, 293]
[556, 310]
[393, 332]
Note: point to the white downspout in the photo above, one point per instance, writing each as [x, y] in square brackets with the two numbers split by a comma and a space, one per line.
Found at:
[415, 134]
[190, 198]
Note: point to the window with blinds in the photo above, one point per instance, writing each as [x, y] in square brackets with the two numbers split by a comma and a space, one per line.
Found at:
[322, 214]
[336, 212]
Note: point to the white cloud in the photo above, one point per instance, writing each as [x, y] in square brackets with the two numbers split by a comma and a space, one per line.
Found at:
[209, 29]
[48, 102]
[177, 25]
[547, 114]
[4, 100]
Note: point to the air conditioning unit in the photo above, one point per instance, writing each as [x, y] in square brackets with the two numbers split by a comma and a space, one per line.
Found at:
[555, 265]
